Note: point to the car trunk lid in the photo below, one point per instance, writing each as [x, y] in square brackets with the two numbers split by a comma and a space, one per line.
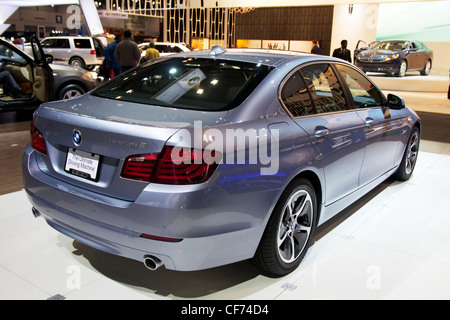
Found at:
[107, 132]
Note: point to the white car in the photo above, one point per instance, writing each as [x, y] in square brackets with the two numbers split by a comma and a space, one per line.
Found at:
[164, 48]
[85, 52]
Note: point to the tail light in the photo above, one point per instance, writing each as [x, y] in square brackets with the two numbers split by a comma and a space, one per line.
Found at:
[93, 52]
[187, 169]
[37, 139]
[139, 167]
[191, 166]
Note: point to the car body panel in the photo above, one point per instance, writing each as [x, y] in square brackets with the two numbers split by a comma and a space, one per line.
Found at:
[220, 220]
[67, 75]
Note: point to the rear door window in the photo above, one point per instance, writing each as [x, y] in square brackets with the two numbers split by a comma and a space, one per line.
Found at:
[296, 98]
[324, 88]
[313, 89]
[62, 43]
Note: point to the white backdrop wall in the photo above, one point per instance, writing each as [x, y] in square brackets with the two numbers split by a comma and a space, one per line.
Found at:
[360, 24]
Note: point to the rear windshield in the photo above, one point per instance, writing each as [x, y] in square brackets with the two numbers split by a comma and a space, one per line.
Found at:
[187, 83]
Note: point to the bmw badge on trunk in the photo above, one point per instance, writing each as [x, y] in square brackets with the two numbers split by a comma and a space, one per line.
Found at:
[76, 137]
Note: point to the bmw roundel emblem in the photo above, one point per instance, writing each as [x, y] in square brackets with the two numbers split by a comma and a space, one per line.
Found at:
[76, 136]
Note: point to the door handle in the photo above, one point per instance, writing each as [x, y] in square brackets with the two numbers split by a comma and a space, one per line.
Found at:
[370, 122]
[319, 133]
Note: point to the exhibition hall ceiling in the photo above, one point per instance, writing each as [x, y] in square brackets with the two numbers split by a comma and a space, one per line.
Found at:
[286, 3]
[34, 3]
[217, 3]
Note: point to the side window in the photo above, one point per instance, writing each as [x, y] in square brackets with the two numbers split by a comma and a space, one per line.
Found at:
[82, 43]
[176, 49]
[49, 43]
[62, 43]
[324, 87]
[10, 55]
[296, 97]
[364, 93]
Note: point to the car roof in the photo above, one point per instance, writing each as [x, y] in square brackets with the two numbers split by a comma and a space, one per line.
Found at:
[168, 43]
[263, 56]
[67, 37]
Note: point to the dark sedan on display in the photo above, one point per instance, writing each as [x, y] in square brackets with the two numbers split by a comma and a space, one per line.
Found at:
[396, 57]
[202, 159]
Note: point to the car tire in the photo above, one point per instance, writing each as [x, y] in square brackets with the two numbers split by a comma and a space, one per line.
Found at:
[289, 231]
[77, 62]
[402, 69]
[70, 91]
[426, 70]
[408, 163]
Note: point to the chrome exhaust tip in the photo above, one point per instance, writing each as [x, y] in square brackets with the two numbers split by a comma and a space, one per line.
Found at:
[35, 212]
[152, 263]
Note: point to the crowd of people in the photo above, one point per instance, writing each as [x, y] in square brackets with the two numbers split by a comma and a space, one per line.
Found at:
[123, 54]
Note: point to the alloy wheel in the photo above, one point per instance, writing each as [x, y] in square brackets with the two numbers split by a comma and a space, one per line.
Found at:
[402, 69]
[71, 94]
[295, 226]
[411, 155]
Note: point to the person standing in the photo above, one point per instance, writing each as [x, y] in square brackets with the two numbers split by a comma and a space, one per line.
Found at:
[316, 49]
[343, 52]
[151, 53]
[112, 64]
[127, 52]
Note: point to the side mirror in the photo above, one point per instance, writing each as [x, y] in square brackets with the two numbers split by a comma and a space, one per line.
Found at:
[49, 58]
[395, 102]
[412, 49]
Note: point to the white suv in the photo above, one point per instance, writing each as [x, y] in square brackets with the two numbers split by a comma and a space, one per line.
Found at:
[85, 52]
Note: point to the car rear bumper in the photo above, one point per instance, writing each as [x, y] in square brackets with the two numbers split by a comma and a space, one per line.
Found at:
[202, 233]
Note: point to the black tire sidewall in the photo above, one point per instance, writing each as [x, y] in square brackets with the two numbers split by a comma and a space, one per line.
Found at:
[68, 87]
[267, 253]
[401, 173]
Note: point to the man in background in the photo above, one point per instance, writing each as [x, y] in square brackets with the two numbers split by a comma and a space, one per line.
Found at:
[342, 52]
[127, 52]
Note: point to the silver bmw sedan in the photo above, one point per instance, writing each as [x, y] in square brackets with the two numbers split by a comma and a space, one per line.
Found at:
[202, 159]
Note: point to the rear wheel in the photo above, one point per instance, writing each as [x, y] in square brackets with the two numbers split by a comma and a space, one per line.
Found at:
[289, 231]
[426, 70]
[77, 62]
[409, 159]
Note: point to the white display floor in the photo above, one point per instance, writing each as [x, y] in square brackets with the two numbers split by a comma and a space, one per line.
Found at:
[394, 244]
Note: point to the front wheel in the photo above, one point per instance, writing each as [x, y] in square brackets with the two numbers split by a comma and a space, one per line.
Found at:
[289, 231]
[70, 91]
[402, 69]
[409, 159]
